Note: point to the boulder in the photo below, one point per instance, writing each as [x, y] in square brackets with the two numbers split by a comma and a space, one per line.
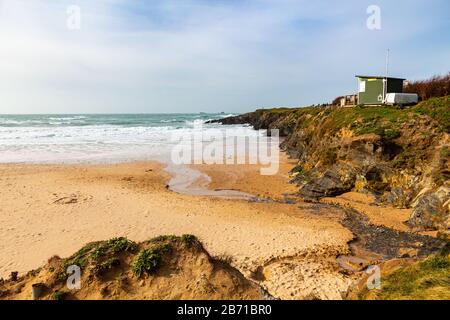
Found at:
[334, 182]
[397, 197]
[431, 210]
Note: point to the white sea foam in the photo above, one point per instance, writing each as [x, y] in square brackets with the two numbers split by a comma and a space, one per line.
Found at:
[57, 139]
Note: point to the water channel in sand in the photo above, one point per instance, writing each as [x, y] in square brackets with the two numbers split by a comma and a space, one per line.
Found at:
[189, 181]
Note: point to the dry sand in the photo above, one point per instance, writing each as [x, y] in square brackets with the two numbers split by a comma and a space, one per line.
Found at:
[48, 210]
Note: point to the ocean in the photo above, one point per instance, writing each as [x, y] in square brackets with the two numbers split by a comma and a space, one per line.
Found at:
[105, 138]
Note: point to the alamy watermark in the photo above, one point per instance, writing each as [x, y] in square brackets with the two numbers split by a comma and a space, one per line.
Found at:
[230, 147]
[374, 20]
[374, 279]
[73, 21]
[74, 279]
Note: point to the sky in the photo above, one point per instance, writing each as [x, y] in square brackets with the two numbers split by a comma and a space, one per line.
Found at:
[183, 56]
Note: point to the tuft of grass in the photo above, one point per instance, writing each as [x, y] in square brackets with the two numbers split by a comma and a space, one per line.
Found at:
[114, 246]
[59, 295]
[425, 280]
[445, 152]
[35, 272]
[298, 170]
[364, 120]
[147, 261]
[186, 238]
[189, 239]
[122, 245]
[80, 257]
[106, 266]
[170, 238]
[97, 250]
[438, 109]
[150, 260]
[224, 258]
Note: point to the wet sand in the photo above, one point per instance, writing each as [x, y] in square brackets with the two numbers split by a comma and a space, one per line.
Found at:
[247, 179]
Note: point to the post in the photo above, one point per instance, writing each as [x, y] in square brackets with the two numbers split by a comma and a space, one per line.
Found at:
[385, 81]
[37, 290]
[387, 63]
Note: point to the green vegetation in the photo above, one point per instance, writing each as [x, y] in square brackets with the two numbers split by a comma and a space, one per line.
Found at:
[150, 260]
[188, 239]
[330, 156]
[299, 170]
[107, 265]
[96, 250]
[429, 279]
[115, 245]
[105, 254]
[276, 110]
[383, 120]
[80, 257]
[121, 245]
[438, 109]
[59, 295]
[170, 238]
[35, 272]
[445, 152]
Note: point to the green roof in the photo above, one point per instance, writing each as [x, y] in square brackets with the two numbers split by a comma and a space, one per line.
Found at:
[379, 77]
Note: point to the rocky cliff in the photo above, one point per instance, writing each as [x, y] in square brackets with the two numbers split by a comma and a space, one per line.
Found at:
[400, 155]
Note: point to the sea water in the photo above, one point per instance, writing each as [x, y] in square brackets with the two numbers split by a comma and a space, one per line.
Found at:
[102, 138]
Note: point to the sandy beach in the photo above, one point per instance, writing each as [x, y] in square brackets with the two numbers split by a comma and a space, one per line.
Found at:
[48, 210]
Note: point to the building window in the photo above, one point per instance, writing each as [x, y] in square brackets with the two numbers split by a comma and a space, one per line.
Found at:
[362, 86]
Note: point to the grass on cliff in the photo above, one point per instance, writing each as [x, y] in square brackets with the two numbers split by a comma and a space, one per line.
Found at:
[425, 280]
[438, 109]
[385, 121]
[388, 119]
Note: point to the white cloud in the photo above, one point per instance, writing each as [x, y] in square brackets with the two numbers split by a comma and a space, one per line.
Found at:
[189, 56]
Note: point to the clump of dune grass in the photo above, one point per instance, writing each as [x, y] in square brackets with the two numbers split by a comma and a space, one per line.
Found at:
[115, 245]
[425, 280]
[150, 260]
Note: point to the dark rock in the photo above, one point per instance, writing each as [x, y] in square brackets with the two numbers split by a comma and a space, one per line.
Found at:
[431, 210]
[387, 242]
[14, 276]
[368, 149]
[397, 197]
[240, 119]
[333, 183]
[375, 177]
[390, 157]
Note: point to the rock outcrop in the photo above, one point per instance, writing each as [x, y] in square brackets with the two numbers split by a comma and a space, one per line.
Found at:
[402, 156]
[431, 209]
